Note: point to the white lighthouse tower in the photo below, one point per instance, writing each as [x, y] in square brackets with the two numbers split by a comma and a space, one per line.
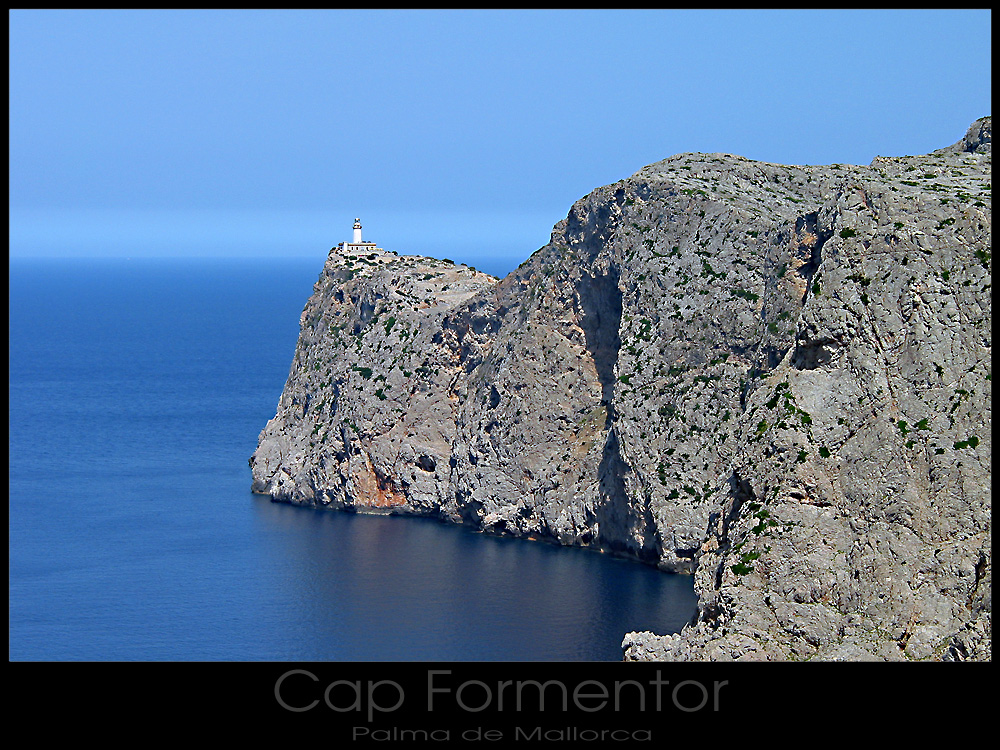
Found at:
[358, 246]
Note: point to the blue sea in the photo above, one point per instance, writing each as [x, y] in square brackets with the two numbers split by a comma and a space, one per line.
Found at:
[137, 391]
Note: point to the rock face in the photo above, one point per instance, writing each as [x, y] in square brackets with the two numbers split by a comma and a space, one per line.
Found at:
[776, 378]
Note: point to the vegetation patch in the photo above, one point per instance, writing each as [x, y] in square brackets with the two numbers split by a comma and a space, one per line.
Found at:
[744, 294]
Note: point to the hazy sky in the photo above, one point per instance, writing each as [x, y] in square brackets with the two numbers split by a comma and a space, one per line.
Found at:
[186, 132]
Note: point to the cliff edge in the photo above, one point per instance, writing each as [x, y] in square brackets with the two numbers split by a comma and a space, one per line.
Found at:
[776, 378]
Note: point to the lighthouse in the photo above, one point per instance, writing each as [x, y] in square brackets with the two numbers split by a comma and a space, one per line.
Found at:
[358, 246]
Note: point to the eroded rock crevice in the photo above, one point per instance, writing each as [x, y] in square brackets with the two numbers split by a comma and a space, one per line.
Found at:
[600, 303]
[625, 521]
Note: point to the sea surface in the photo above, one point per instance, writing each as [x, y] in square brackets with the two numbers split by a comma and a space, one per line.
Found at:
[137, 391]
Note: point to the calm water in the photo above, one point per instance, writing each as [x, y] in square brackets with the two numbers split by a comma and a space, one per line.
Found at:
[137, 391]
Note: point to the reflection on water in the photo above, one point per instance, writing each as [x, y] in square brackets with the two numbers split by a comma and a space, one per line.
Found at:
[393, 588]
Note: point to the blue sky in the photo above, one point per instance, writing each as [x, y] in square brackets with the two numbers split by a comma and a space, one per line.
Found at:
[454, 133]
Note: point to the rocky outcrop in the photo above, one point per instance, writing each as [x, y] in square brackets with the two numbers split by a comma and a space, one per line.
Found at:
[776, 378]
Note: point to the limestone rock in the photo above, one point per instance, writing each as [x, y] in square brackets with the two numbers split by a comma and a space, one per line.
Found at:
[776, 378]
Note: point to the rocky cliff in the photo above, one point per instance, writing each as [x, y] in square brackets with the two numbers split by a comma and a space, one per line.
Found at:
[774, 377]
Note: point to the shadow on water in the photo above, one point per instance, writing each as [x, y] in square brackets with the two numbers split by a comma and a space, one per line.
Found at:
[405, 588]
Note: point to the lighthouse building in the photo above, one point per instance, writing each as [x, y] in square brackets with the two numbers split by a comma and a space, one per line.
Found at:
[358, 246]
